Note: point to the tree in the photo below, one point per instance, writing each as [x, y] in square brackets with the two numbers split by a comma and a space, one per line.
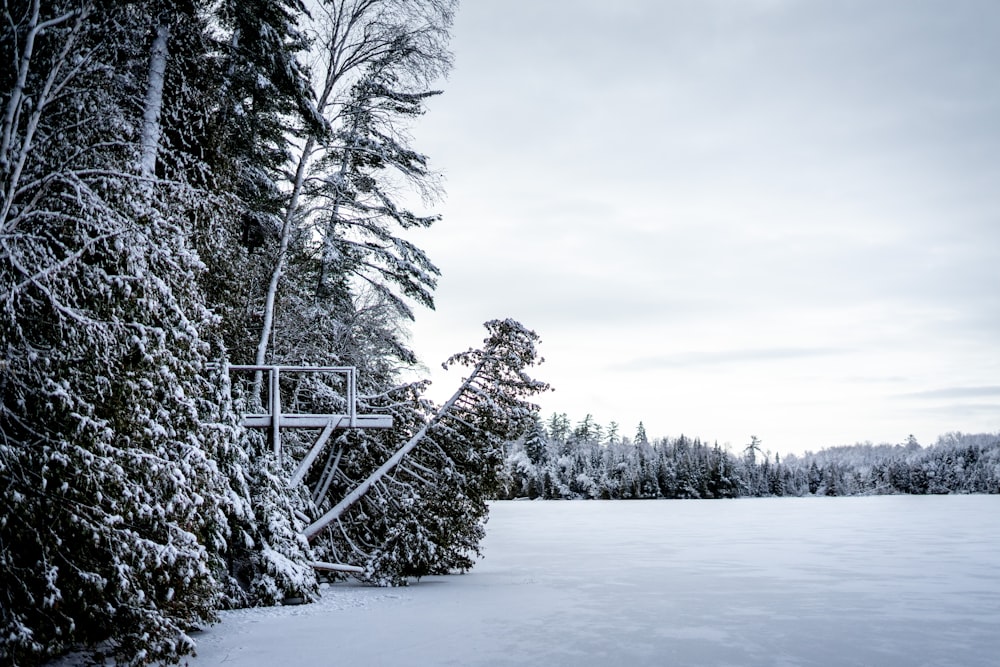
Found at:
[535, 442]
[341, 221]
[612, 434]
[117, 510]
[558, 428]
[420, 508]
[177, 190]
[261, 100]
[116, 436]
[586, 432]
[815, 477]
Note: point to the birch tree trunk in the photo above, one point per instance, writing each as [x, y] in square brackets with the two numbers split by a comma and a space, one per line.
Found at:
[16, 144]
[153, 105]
[270, 299]
[279, 262]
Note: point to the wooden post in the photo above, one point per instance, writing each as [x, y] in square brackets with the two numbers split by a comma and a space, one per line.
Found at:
[275, 412]
[329, 473]
[310, 458]
[352, 396]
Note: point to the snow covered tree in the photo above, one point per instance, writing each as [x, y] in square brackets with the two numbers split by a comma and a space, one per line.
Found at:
[244, 132]
[421, 508]
[230, 125]
[558, 428]
[342, 223]
[535, 442]
[123, 466]
[753, 449]
[612, 434]
[341, 276]
[587, 431]
[176, 189]
[116, 507]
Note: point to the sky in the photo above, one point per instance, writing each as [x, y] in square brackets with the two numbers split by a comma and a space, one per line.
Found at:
[725, 219]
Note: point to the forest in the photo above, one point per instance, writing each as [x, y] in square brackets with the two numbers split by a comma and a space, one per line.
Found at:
[189, 185]
[555, 459]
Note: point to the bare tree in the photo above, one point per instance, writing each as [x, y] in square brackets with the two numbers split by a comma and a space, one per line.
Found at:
[374, 63]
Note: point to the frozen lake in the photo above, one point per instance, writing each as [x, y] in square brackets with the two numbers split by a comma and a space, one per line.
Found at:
[891, 580]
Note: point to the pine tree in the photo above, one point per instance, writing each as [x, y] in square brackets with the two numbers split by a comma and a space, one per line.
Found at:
[535, 445]
[261, 100]
[558, 430]
[424, 507]
[117, 508]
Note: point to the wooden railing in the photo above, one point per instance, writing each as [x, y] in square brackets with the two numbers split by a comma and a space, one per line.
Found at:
[275, 419]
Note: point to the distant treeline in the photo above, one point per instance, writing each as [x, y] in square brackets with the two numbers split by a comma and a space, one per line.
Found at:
[556, 460]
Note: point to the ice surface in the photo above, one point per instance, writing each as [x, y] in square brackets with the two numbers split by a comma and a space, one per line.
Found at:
[891, 580]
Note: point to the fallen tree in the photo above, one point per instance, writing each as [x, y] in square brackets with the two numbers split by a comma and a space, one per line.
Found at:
[421, 509]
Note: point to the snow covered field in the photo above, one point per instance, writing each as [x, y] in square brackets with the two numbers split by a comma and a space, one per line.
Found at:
[891, 580]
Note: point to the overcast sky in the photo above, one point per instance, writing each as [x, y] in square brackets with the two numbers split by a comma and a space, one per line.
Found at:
[728, 218]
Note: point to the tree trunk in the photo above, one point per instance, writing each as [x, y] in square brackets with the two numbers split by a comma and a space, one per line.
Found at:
[153, 105]
[14, 149]
[279, 262]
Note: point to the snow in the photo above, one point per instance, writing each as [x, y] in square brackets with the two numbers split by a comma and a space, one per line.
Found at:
[887, 580]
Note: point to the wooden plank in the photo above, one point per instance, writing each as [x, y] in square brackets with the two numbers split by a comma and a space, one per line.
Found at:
[304, 466]
[337, 567]
[293, 369]
[328, 475]
[317, 421]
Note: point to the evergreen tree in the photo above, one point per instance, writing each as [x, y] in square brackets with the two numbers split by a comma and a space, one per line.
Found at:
[586, 432]
[114, 429]
[685, 468]
[117, 509]
[612, 433]
[558, 429]
[244, 134]
[422, 508]
[535, 444]
[340, 226]
[815, 477]
[149, 226]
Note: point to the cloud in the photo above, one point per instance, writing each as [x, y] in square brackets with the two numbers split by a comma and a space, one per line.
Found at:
[966, 417]
[726, 357]
[956, 393]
